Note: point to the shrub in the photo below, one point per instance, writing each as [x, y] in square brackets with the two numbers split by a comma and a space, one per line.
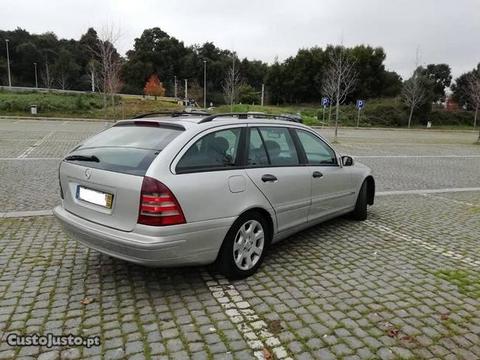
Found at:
[459, 118]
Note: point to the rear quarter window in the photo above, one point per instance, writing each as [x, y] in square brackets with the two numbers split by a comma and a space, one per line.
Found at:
[215, 151]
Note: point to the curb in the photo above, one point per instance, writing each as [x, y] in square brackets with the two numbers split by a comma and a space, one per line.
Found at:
[54, 118]
[396, 129]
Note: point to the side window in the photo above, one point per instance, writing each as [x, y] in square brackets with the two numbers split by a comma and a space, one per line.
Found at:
[317, 152]
[257, 154]
[216, 150]
[279, 145]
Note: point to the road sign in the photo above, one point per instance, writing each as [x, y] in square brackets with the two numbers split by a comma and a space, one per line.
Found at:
[360, 105]
[325, 101]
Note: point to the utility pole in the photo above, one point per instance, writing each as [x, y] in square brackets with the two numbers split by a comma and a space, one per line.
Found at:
[186, 89]
[175, 86]
[93, 81]
[36, 76]
[204, 84]
[263, 94]
[8, 65]
[232, 94]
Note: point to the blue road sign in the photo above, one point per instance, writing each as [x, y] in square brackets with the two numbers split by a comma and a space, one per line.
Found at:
[360, 104]
[325, 101]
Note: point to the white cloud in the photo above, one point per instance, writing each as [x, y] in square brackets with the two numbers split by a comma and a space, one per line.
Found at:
[445, 31]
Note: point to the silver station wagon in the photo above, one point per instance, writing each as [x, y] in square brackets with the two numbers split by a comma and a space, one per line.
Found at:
[193, 188]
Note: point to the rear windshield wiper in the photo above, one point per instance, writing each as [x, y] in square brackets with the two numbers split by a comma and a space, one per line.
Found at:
[82, 158]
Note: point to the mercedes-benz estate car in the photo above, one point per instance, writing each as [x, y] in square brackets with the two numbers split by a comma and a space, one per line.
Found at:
[191, 189]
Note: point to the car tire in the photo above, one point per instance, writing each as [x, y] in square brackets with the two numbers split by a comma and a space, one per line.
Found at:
[360, 211]
[248, 238]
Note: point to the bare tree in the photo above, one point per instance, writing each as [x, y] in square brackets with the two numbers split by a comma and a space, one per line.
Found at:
[231, 84]
[46, 76]
[110, 63]
[474, 94]
[413, 93]
[340, 79]
[329, 89]
[92, 70]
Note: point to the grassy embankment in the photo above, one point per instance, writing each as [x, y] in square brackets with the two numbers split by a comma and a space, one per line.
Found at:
[79, 105]
[377, 113]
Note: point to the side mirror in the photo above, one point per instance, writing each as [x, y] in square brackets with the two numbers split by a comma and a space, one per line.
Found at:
[347, 161]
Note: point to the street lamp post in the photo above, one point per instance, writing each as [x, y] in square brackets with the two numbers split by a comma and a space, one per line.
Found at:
[204, 84]
[8, 65]
[175, 87]
[36, 77]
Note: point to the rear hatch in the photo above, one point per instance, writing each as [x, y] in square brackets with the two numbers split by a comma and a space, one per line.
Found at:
[101, 179]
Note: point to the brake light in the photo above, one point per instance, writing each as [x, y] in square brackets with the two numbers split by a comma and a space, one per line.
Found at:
[158, 205]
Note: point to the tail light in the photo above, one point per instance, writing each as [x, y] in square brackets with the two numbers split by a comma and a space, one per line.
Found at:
[158, 205]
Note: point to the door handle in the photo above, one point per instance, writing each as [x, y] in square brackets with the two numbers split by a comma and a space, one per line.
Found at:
[317, 174]
[269, 178]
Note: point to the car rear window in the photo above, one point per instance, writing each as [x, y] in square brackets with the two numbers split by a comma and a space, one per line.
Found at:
[127, 149]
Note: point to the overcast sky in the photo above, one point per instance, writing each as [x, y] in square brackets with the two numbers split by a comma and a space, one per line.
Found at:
[444, 31]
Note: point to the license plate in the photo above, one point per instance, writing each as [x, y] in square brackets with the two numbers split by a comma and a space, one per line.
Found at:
[95, 197]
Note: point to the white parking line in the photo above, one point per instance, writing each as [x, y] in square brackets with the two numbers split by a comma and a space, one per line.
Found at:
[254, 331]
[426, 191]
[29, 159]
[425, 244]
[38, 143]
[19, 214]
[438, 197]
[413, 156]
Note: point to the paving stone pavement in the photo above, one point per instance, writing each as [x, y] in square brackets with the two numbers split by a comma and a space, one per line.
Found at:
[340, 289]
[402, 285]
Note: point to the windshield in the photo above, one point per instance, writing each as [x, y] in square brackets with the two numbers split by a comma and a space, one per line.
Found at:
[127, 149]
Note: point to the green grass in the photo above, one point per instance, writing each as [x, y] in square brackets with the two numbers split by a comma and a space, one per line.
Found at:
[53, 104]
[468, 283]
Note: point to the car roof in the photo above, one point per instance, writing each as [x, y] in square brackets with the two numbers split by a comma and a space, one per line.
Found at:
[195, 121]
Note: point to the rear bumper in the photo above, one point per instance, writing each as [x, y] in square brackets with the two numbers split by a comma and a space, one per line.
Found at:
[187, 244]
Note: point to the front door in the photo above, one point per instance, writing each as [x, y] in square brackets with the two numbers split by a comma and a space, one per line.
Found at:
[331, 183]
[273, 165]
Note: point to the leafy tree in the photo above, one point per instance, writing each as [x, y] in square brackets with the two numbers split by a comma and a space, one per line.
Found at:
[154, 87]
[275, 83]
[248, 95]
[65, 68]
[371, 72]
[460, 88]
[155, 52]
[253, 72]
[440, 78]
[300, 78]
[60, 63]
[392, 84]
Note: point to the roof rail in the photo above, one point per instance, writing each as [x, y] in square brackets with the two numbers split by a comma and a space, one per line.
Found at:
[256, 115]
[172, 114]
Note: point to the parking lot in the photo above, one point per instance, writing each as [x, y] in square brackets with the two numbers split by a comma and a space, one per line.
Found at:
[405, 284]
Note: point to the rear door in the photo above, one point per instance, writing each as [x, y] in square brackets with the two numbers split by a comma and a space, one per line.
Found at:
[331, 184]
[273, 164]
[209, 180]
[101, 179]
